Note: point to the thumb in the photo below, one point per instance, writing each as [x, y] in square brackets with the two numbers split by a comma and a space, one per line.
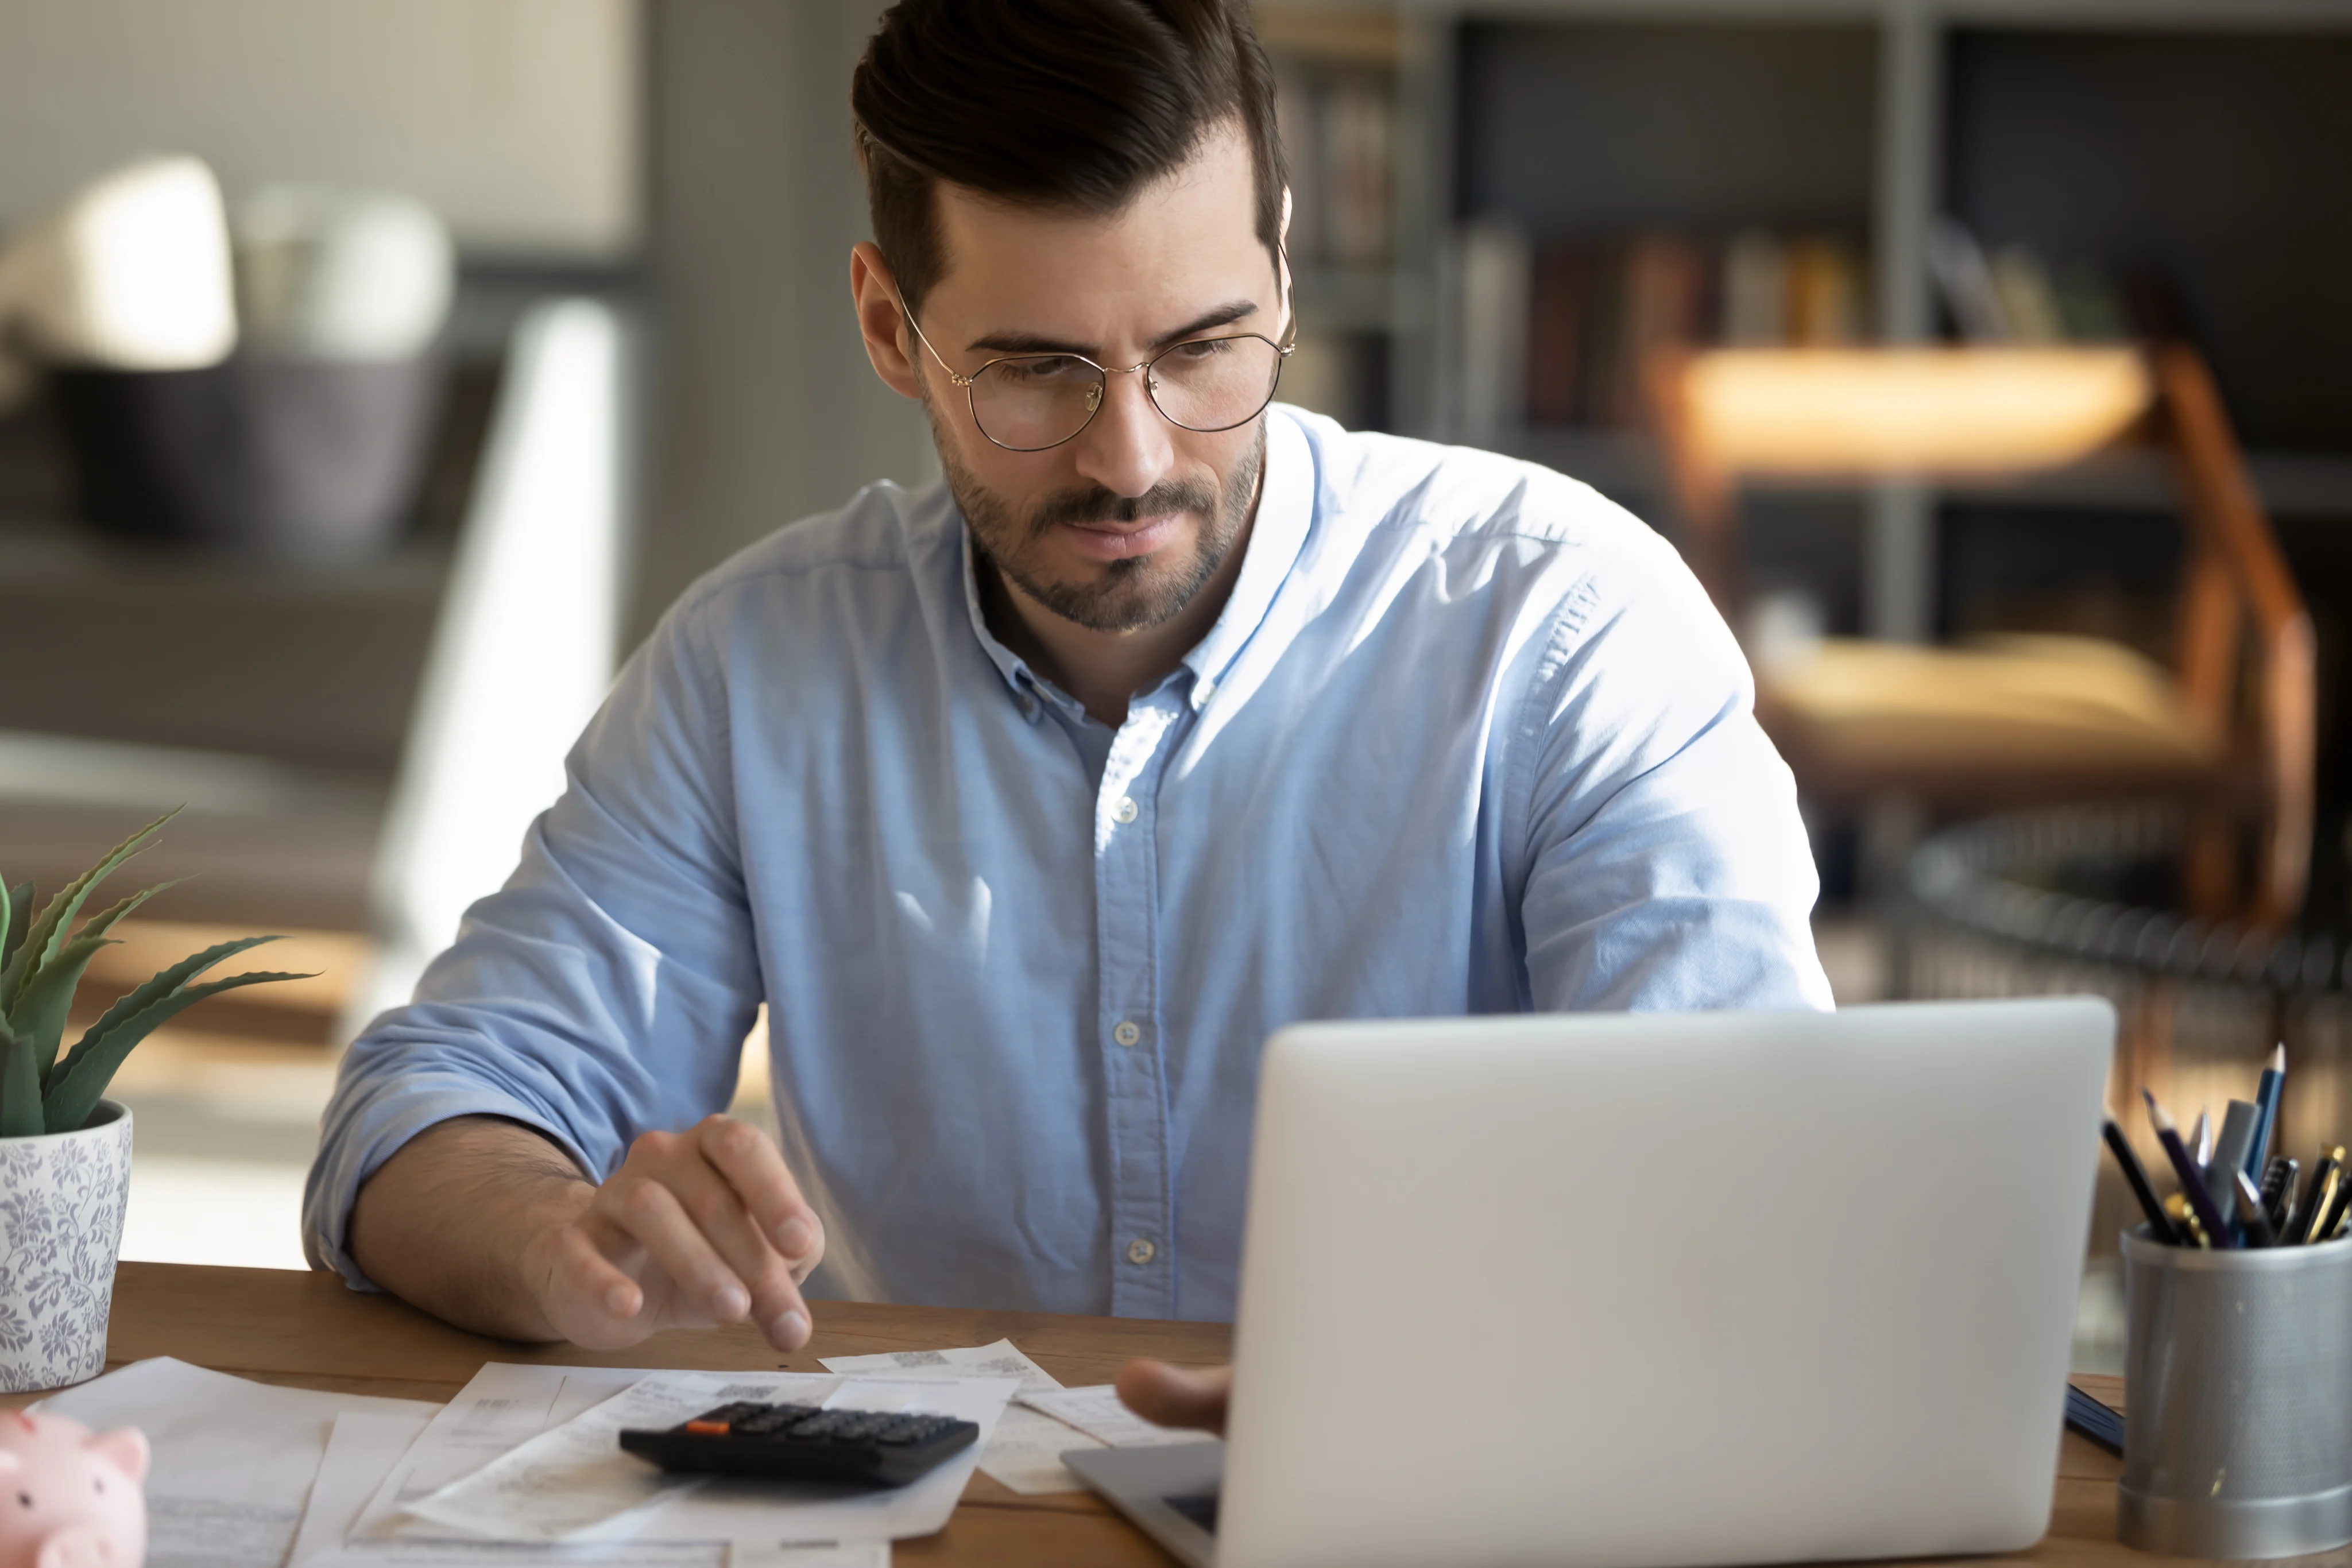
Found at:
[1176, 1396]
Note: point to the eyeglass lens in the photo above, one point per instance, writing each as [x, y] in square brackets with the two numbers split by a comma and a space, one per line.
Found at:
[1036, 401]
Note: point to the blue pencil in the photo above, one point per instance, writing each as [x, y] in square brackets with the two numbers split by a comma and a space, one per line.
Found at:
[2266, 1101]
[2192, 1180]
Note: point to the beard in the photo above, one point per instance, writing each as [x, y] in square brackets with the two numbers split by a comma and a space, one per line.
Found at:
[1133, 594]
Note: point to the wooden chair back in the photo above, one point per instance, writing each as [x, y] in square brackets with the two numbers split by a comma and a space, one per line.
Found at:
[2243, 657]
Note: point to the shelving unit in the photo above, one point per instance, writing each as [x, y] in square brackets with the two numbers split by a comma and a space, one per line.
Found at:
[2201, 140]
[2201, 136]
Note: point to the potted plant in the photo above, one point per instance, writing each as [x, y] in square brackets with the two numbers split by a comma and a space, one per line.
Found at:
[65, 1150]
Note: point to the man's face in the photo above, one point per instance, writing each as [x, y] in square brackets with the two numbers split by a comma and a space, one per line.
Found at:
[1119, 527]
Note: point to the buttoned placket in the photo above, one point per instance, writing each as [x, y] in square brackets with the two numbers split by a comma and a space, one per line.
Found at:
[1127, 929]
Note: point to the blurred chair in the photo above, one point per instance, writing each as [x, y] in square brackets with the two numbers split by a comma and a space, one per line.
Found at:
[525, 647]
[2006, 721]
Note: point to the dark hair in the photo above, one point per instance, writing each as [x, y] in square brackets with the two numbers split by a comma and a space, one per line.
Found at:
[1068, 104]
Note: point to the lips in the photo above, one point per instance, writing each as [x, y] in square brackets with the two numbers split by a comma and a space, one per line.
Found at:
[1120, 541]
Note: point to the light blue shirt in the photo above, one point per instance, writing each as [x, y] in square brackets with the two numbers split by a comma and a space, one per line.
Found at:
[1466, 739]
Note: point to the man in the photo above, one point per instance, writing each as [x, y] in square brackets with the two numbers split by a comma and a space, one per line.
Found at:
[1031, 803]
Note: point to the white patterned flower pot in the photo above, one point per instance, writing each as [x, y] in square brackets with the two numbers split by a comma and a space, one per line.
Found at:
[62, 1196]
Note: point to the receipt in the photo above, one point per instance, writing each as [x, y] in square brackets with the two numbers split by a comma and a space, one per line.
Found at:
[233, 1458]
[1002, 1359]
[366, 1449]
[503, 1407]
[1025, 1453]
[1097, 1412]
[573, 1482]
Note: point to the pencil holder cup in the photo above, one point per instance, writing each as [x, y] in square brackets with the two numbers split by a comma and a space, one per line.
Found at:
[2237, 1399]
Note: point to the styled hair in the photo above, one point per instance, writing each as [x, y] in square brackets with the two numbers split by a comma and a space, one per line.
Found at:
[1067, 105]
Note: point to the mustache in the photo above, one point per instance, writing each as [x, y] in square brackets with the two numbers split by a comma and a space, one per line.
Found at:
[1097, 504]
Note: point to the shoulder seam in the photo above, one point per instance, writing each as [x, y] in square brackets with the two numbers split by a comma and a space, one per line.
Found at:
[1567, 623]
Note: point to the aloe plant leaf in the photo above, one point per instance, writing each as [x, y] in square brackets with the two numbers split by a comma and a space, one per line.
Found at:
[40, 1016]
[20, 914]
[84, 1075]
[22, 1114]
[41, 942]
[162, 984]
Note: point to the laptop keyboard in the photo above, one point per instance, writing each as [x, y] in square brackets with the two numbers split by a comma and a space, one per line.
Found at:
[1200, 1507]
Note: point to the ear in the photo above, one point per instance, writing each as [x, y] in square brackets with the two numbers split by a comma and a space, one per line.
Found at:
[890, 342]
[1281, 267]
[127, 1447]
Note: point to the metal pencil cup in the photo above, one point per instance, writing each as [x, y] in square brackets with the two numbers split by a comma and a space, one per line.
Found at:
[2238, 1399]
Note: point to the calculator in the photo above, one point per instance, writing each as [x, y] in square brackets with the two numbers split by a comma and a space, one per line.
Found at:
[804, 1443]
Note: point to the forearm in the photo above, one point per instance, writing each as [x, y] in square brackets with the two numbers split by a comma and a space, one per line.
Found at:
[450, 1223]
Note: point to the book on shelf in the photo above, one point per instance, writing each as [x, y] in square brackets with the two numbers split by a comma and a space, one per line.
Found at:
[1495, 263]
[2013, 293]
[1557, 333]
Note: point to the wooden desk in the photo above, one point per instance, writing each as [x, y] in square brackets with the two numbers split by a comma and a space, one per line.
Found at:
[278, 1327]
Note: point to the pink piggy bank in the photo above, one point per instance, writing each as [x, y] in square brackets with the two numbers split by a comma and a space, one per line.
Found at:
[69, 1497]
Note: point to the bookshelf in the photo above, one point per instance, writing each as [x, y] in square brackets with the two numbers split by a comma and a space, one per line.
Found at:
[2198, 141]
[2199, 137]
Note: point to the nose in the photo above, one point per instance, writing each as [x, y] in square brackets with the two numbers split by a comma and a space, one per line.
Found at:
[1125, 448]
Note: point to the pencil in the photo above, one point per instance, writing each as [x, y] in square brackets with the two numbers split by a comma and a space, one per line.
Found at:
[2192, 1180]
[2159, 1224]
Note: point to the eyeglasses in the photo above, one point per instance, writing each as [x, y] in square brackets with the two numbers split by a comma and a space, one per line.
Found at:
[1027, 403]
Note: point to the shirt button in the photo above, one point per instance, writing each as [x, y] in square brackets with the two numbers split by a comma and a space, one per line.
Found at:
[1126, 1034]
[1140, 1252]
[1125, 811]
[1203, 691]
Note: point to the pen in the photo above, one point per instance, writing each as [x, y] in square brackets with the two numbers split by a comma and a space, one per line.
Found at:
[2184, 1219]
[2192, 1180]
[2331, 1222]
[2319, 1196]
[2266, 1095]
[2238, 1122]
[2200, 1139]
[2250, 1212]
[2278, 1192]
[2159, 1224]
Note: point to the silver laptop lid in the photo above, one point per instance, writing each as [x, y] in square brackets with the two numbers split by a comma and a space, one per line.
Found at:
[1616, 1291]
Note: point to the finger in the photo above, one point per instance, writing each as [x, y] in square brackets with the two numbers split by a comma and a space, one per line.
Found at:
[719, 1213]
[1176, 1396]
[651, 1216]
[587, 1298]
[755, 1168]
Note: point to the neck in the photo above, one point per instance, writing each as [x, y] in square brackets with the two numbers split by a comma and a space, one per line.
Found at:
[1104, 669]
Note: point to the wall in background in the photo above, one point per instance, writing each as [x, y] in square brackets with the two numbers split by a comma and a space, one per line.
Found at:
[518, 120]
[768, 410]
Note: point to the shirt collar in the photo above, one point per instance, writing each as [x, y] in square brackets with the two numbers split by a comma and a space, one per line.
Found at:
[1285, 507]
[1028, 690]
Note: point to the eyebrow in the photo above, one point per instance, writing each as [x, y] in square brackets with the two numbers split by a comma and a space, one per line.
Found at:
[1224, 315]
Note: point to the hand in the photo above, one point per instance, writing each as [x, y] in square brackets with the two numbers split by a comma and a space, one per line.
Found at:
[696, 1228]
[1177, 1395]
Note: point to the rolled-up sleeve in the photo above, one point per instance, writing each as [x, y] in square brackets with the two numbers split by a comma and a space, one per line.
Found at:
[1668, 867]
[606, 989]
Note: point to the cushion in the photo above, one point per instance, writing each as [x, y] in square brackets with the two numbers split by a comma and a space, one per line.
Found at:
[2008, 714]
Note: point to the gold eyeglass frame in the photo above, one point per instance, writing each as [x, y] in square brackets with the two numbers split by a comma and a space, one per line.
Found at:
[1283, 350]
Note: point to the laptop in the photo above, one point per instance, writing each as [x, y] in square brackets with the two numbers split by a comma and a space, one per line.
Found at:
[1649, 1290]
